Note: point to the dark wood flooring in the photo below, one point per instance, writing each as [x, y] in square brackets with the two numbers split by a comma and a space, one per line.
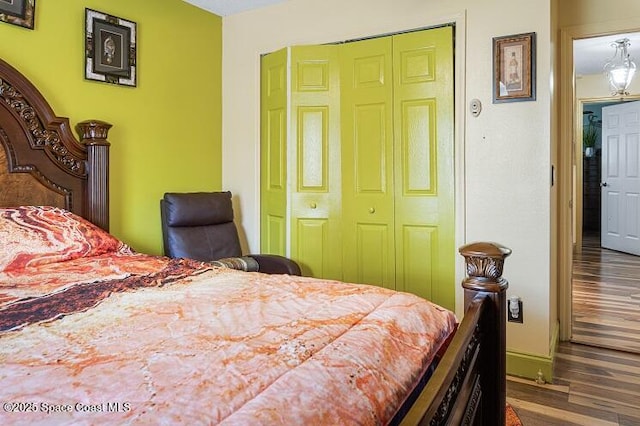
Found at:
[597, 375]
[591, 386]
[606, 297]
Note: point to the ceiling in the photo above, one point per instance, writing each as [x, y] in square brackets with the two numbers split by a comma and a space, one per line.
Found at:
[590, 54]
[229, 7]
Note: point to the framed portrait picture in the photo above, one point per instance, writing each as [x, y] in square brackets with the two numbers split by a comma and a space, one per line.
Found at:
[110, 49]
[18, 12]
[514, 68]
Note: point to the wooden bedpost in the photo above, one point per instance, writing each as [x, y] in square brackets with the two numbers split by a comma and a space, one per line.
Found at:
[484, 264]
[468, 387]
[93, 134]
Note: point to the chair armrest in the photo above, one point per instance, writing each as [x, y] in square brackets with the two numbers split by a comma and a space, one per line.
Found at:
[275, 264]
[243, 263]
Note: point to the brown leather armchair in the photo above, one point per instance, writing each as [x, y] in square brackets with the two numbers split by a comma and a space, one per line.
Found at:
[199, 225]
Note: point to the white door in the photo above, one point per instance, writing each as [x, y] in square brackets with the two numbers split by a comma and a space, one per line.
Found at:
[621, 177]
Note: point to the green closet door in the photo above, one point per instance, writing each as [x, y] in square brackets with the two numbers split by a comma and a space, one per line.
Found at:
[367, 161]
[314, 161]
[273, 153]
[360, 160]
[424, 164]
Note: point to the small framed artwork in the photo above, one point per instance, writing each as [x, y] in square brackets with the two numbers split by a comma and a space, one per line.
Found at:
[110, 49]
[514, 68]
[18, 12]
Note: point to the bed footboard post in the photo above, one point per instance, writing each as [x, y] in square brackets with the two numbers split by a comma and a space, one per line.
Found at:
[93, 134]
[484, 264]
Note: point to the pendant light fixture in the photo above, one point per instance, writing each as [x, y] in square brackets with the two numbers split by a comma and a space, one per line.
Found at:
[620, 69]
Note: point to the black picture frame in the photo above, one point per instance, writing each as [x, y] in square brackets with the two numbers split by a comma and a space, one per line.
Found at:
[110, 49]
[18, 12]
[514, 68]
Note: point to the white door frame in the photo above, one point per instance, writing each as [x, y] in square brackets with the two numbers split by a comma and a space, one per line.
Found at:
[566, 148]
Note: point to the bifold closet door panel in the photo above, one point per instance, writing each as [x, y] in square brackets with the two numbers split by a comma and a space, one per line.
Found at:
[367, 161]
[314, 161]
[424, 164]
[273, 153]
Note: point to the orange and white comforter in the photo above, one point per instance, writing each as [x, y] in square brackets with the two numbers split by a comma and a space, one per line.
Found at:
[148, 340]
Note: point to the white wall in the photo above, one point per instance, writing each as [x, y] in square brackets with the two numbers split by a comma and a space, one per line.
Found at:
[595, 86]
[502, 157]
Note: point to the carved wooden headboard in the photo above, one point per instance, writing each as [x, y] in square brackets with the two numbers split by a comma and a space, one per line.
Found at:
[42, 162]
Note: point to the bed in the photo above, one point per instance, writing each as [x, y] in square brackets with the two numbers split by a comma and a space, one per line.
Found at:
[92, 332]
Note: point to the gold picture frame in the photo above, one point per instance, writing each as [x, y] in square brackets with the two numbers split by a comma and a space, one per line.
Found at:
[18, 12]
[514, 68]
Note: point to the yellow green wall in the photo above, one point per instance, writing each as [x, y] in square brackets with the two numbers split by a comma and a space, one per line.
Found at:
[166, 131]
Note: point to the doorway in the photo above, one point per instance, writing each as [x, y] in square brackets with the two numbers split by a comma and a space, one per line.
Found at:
[589, 265]
[588, 168]
[604, 284]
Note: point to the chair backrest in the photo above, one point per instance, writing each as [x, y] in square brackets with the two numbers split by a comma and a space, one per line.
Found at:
[199, 225]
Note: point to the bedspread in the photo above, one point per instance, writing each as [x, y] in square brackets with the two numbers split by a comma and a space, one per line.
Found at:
[154, 341]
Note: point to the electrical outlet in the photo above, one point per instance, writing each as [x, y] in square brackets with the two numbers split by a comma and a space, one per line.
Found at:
[514, 310]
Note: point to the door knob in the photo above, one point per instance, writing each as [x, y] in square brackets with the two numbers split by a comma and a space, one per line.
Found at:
[313, 205]
[372, 210]
[604, 184]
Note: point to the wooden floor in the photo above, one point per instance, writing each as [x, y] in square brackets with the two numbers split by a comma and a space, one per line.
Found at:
[593, 384]
[606, 297]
